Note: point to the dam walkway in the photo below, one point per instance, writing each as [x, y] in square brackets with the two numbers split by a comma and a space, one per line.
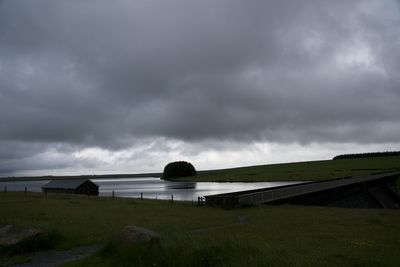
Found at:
[372, 191]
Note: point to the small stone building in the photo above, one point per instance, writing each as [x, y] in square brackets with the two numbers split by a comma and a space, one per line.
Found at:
[71, 186]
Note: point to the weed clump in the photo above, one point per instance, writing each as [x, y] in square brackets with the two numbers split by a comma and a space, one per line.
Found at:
[179, 252]
[48, 239]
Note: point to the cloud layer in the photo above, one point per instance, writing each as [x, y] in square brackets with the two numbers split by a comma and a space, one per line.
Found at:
[114, 76]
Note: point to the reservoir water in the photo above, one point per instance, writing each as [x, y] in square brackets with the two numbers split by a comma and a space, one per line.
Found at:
[152, 188]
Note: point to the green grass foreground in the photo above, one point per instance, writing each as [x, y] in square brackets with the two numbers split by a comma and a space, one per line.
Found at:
[202, 236]
[300, 171]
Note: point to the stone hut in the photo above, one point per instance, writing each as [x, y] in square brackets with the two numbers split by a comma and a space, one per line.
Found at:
[71, 186]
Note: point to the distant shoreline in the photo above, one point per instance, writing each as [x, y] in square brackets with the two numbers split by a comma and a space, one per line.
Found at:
[292, 171]
[102, 176]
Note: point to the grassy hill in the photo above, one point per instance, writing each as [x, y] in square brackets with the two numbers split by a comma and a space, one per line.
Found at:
[301, 171]
[296, 171]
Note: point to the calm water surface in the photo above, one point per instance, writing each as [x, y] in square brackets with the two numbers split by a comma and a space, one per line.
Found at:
[153, 188]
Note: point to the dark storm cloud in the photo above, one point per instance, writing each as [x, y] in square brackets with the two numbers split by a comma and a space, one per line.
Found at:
[107, 74]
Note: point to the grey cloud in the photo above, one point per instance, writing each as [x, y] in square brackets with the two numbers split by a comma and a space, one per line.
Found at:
[102, 74]
[22, 156]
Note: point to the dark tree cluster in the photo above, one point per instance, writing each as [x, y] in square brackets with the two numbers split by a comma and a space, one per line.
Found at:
[368, 155]
[179, 169]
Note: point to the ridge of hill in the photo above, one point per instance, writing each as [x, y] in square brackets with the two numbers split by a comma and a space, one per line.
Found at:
[301, 171]
[294, 171]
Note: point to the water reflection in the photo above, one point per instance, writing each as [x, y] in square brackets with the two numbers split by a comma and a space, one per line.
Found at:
[180, 185]
[153, 188]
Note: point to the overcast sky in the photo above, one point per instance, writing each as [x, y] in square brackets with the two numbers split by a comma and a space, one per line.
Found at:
[93, 86]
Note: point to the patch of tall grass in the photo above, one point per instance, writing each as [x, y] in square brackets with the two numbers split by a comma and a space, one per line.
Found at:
[48, 239]
[177, 252]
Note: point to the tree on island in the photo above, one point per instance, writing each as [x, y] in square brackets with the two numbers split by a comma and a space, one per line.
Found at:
[178, 169]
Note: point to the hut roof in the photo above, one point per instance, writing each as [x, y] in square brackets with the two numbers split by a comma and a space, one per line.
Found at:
[67, 184]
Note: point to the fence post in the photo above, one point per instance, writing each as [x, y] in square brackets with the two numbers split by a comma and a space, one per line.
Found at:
[5, 189]
[113, 194]
[200, 201]
[172, 199]
[141, 195]
[26, 190]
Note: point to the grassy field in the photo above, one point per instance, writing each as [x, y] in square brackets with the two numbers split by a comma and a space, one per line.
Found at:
[300, 171]
[202, 236]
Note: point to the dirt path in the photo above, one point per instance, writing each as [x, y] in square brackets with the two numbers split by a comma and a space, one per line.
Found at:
[53, 258]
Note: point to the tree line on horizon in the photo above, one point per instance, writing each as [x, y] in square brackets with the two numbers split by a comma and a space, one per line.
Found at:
[368, 155]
